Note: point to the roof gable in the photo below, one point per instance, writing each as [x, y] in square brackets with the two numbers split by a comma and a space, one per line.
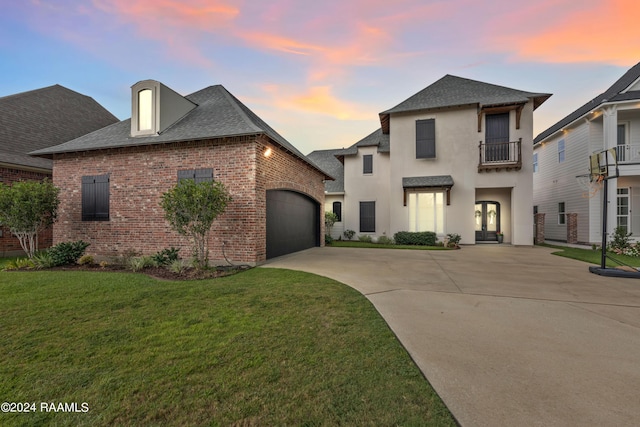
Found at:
[625, 88]
[451, 91]
[327, 161]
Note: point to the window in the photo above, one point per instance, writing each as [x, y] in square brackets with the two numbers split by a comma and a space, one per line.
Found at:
[426, 212]
[561, 214]
[198, 175]
[145, 110]
[561, 151]
[621, 148]
[337, 209]
[623, 209]
[535, 209]
[95, 198]
[367, 163]
[535, 162]
[426, 139]
[367, 217]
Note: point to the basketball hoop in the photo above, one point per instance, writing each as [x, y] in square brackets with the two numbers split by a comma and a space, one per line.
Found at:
[590, 183]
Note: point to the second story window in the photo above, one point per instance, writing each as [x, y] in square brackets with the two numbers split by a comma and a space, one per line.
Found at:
[561, 151]
[367, 163]
[535, 162]
[426, 139]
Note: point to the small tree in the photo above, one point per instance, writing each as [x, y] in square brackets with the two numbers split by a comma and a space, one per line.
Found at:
[27, 208]
[330, 218]
[191, 209]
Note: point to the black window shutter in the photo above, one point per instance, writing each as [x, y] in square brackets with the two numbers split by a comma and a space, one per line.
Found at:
[426, 139]
[367, 163]
[95, 198]
[102, 198]
[203, 175]
[186, 174]
[337, 209]
[367, 217]
[88, 198]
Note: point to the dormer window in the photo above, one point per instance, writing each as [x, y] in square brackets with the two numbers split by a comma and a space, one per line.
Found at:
[155, 107]
[145, 110]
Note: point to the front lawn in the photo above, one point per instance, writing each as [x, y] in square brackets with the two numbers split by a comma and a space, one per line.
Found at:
[593, 256]
[358, 244]
[263, 347]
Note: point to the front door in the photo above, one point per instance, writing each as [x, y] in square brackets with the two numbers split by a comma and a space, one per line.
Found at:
[487, 221]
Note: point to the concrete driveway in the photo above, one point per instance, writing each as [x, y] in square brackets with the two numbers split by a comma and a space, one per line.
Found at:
[507, 336]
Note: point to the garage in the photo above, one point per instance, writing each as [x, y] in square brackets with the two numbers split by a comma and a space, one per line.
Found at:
[293, 222]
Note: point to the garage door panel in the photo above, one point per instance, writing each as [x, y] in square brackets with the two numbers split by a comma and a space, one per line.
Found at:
[292, 222]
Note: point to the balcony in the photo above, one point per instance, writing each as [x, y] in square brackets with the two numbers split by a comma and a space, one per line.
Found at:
[500, 155]
[629, 153]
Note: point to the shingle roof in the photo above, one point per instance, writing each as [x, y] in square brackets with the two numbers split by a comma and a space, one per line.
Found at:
[452, 91]
[327, 161]
[43, 118]
[218, 114]
[374, 139]
[612, 94]
[427, 181]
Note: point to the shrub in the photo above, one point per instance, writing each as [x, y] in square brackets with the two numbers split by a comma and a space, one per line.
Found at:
[85, 259]
[42, 259]
[177, 266]
[140, 263]
[124, 259]
[454, 240]
[422, 238]
[103, 264]
[348, 234]
[66, 253]
[328, 239]
[166, 256]
[330, 218]
[620, 239]
[19, 264]
[384, 240]
[365, 238]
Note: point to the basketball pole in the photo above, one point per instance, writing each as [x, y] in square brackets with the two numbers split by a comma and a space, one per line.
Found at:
[605, 203]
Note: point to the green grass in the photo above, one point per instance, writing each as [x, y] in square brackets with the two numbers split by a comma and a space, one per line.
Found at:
[358, 244]
[263, 347]
[593, 257]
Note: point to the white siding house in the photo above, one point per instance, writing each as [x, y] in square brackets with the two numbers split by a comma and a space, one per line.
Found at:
[456, 157]
[610, 120]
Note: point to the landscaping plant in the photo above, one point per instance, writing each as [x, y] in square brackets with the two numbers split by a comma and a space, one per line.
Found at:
[27, 208]
[191, 208]
[424, 238]
[330, 218]
[67, 253]
[348, 234]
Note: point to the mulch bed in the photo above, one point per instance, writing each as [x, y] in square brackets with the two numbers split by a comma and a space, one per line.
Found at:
[163, 273]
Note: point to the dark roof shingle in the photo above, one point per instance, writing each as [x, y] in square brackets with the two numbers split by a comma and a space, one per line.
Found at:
[43, 118]
[327, 161]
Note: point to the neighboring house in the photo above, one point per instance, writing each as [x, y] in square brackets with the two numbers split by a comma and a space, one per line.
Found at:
[561, 156]
[37, 119]
[454, 158]
[333, 189]
[112, 180]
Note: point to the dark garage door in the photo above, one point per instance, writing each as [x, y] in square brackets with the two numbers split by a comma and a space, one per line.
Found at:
[293, 222]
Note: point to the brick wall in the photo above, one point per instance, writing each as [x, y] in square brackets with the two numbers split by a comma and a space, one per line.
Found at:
[9, 244]
[139, 176]
[539, 224]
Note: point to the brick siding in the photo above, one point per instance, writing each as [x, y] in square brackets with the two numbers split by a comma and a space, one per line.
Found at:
[140, 175]
[9, 244]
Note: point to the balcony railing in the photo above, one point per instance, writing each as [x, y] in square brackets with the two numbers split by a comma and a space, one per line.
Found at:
[629, 153]
[500, 155]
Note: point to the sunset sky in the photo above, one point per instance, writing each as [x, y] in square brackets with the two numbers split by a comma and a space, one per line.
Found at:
[319, 72]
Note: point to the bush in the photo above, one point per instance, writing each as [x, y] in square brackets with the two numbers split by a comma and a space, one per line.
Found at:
[140, 263]
[348, 234]
[384, 240]
[19, 264]
[66, 253]
[166, 256]
[454, 240]
[328, 239]
[42, 259]
[620, 240]
[422, 238]
[365, 238]
[85, 259]
[177, 266]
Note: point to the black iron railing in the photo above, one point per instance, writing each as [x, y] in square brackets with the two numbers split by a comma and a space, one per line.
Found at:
[498, 154]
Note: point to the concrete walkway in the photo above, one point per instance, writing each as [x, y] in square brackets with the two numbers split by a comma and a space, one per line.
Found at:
[507, 336]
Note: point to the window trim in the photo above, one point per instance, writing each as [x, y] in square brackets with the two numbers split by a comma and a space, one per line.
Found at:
[562, 152]
[338, 212]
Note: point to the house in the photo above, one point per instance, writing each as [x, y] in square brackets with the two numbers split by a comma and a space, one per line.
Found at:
[455, 157]
[37, 119]
[568, 209]
[333, 189]
[112, 180]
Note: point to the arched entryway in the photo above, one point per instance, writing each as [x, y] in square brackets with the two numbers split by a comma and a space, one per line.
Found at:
[487, 220]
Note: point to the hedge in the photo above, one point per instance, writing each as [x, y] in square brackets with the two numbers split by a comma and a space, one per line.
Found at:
[422, 238]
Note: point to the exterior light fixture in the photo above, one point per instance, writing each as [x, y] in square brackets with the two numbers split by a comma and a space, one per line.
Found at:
[267, 152]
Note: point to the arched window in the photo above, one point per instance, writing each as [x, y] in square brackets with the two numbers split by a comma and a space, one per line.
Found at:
[145, 110]
[337, 209]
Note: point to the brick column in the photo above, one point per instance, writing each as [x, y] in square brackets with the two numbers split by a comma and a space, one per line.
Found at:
[572, 228]
[539, 222]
